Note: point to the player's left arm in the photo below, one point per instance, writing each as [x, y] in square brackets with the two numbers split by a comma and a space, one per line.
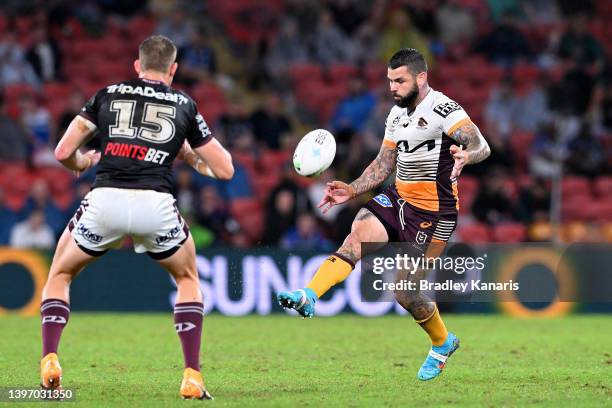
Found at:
[67, 151]
[474, 148]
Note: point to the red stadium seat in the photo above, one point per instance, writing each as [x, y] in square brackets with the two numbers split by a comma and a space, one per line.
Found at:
[520, 143]
[242, 206]
[474, 233]
[603, 186]
[274, 161]
[341, 72]
[305, 71]
[509, 232]
[467, 184]
[249, 214]
[575, 186]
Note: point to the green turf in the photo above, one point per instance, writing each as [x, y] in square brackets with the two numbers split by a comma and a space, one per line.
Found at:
[135, 360]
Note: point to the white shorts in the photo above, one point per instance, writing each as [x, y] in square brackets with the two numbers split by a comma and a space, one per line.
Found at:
[151, 218]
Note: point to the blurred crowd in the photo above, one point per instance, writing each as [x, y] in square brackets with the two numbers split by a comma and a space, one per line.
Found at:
[534, 75]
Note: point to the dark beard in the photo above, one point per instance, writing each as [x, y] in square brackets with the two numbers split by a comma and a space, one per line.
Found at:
[410, 99]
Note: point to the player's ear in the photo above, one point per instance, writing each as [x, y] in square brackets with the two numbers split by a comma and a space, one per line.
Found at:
[137, 66]
[421, 79]
[173, 69]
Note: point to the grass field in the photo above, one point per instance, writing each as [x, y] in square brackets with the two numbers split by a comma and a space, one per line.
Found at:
[135, 360]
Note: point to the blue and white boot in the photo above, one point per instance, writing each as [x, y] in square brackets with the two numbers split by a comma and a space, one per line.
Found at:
[437, 357]
[301, 300]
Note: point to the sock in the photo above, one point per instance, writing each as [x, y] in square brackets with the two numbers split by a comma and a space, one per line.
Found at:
[334, 270]
[188, 324]
[54, 315]
[435, 328]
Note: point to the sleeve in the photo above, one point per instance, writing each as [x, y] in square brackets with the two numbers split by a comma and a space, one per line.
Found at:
[453, 116]
[391, 124]
[90, 110]
[199, 134]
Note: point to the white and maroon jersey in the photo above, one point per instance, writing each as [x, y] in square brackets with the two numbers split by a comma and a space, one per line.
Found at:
[424, 162]
[142, 125]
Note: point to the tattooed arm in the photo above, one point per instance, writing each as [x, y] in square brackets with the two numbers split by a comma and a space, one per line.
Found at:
[475, 147]
[381, 167]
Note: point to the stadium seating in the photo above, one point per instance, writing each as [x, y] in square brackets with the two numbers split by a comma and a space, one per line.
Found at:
[509, 232]
[474, 233]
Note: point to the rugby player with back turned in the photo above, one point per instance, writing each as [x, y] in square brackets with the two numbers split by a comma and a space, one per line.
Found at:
[143, 125]
[428, 139]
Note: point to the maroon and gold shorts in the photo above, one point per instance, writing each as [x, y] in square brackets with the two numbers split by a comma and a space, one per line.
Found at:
[407, 223]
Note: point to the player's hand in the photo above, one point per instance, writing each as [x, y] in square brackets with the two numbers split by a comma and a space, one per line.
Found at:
[461, 158]
[91, 158]
[336, 193]
[183, 154]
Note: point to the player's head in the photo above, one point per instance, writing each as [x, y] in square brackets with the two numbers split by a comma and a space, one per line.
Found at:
[407, 73]
[157, 54]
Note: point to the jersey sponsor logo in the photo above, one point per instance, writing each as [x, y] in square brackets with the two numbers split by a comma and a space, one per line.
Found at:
[53, 319]
[421, 237]
[183, 327]
[83, 231]
[422, 123]
[425, 224]
[202, 125]
[142, 153]
[403, 146]
[446, 108]
[383, 200]
[170, 235]
[148, 92]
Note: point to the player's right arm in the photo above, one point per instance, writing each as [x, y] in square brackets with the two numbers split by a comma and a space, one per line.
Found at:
[381, 167]
[211, 160]
[67, 150]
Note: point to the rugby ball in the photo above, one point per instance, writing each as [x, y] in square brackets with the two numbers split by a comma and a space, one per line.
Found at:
[315, 153]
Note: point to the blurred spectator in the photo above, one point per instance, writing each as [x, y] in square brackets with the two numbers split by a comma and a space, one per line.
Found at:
[82, 188]
[365, 44]
[40, 200]
[329, 43]
[353, 111]
[177, 27]
[305, 236]
[492, 204]
[505, 44]
[579, 45]
[233, 126]
[534, 107]
[423, 15]
[541, 12]
[186, 191]
[36, 119]
[33, 233]
[76, 100]
[305, 13]
[270, 123]
[547, 153]
[606, 108]
[213, 214]
[198, 60]
[14, 140]
[533, 202]
[202, 237]
[572, 95]
[586, 155]
[499, 9]
[400, 33]
[287, 47]
[45, 56]
[349, 15]
[8, 218]
[14, 69]
[284, 203]
[456, 24]
[503, 110]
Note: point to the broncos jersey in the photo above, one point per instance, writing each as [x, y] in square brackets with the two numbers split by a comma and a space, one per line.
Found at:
[142, 125]
[424, 162]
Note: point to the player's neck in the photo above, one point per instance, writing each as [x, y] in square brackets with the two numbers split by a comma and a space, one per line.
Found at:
[154, 76]
[422, 95]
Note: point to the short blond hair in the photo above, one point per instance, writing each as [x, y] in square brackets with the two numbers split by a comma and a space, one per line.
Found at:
[157, 53]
